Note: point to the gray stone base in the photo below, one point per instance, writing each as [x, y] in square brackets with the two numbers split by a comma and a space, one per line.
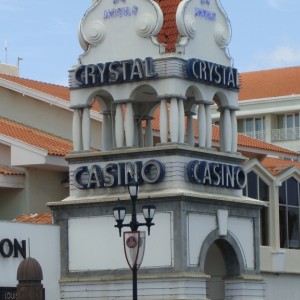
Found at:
[152, 288]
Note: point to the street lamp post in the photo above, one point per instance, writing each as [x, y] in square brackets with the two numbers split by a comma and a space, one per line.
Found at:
[134, 241]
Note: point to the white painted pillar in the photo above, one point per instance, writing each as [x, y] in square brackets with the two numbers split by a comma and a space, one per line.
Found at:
[163, 121]
[140, 133]
[86, 129]
[208, 126]
[274, 226]
[181, 121]
[76, 130]
[149, 132]
[201, 125]
[234, 140]
[106, 132]
[225, 130]
[119, 126]
[113, 129]
[174, 116]
[129, 125]
[190, 129]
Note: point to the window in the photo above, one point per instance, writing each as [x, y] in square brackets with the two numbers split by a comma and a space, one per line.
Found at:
[288, 121]
[289, 214]
[288, 127]
[256, 188]
[253, 127]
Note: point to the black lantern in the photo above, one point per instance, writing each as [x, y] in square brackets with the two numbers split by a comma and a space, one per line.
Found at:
[119, 214]
[149, 212]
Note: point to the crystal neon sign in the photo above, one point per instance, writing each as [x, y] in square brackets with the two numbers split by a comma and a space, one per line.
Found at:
[211, 73]
[115, 72]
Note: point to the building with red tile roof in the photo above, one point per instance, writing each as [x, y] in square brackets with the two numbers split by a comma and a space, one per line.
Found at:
[42, 218]
[35, 135]
[269, 106]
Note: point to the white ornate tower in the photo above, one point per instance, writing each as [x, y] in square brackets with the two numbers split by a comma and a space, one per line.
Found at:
[155, 104]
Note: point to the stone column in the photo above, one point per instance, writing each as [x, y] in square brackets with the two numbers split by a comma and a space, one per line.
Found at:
[129, 125]
[140, 132]
[181, 121]
[234, 140]
[208, 125]
[163, 120]
[174, 120]
[148, 132]
[77, 130]
[190, 128]
[119, 126]
[86, 129]
[225, 130]
[106, 131]
[81, 127]
[201, 125]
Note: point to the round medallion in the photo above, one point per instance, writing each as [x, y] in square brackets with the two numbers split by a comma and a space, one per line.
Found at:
[131, 242]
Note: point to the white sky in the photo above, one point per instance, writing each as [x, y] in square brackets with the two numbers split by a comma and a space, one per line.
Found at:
[265, 34]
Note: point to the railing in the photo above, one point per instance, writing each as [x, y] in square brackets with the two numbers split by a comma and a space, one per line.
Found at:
[285, 134]
[259, 135]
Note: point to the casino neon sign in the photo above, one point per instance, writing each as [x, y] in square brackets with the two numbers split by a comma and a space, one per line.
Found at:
[153, 172]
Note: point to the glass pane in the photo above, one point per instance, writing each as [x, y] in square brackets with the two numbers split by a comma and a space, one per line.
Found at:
[297, 123]
[258, 124]
[249, 125]
[240, 125]
[280, 120]
[282, 195]
[289, 121]
[292, 192]
[252, 185]
[264, 237]
[293, 228]
[263, 191]
[283, 227]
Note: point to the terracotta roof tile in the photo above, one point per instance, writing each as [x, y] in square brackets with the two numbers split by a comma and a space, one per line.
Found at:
[42, 218]
[277, 166]
[270, 83]
[53, 144]
[58, 91]
[10, 171]
[245, 141]
[169, 33]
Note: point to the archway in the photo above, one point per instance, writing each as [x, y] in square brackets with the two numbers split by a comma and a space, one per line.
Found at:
[221, 261]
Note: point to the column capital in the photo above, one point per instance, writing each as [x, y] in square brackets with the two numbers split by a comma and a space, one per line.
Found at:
[206, 102]
[124, 101]
[80, 106]
[232, 108]
[190, 113]
[106, 112]
[171, 96]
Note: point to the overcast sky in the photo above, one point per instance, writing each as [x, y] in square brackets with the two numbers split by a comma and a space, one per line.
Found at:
[265, 34]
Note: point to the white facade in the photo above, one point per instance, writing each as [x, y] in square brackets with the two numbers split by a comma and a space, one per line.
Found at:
[207, 233]
[41, 242]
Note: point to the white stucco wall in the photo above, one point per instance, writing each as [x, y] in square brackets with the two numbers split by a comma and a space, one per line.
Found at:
[102, 248]
[282, 286]
[42, 244]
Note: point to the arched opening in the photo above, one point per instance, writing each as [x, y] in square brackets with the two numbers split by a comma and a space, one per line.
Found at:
[221, 261]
